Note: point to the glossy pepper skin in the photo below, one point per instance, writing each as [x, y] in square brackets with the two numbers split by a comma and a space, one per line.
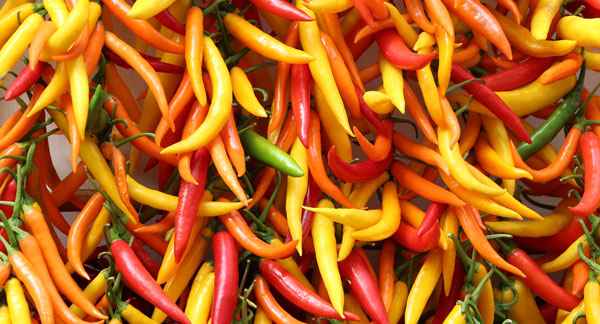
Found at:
[226, 278]
[363, 287]
[589, 144]
[395, 51]
[260, 149]
[301, 296]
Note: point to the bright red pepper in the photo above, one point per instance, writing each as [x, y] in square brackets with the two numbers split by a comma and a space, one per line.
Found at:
[141, 282]
[145, 258]
[226, 278]
[395, 51]
[300, 98]
[490, 99]
[189, 200]
[589, 143]
[407, 237]
[368, 113]
[518, 76]
[357, 172]
[363, 287]
[292, 289]
[433, 213]
[282, 9]
[555, 243]
[24, 81]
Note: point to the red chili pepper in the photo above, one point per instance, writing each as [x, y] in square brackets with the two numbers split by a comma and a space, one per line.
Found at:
[555, 243]
[407, 237]
[368, 113]
[282, 9]
[189, 200]
[145, 258]
[362, 45]
[433, 213]
[490, 99]
[158, 66]
[141, 282]
[300, 98]
[24, 81]
[587, 12]
[294, 291]
[9, 194]
[589, 143]
[537, 280]
[548, 312]
[226, 278]
[518, 76]
[395, 51]
[446, 303]
[313, 194]
[305, 261]
[357, 172]
[363, 287]
[365, 12]
[594, 3]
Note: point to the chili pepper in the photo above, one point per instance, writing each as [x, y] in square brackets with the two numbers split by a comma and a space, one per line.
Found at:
[279, 105]
[423, 285]
[538, 280]
[389, 221]
[358, 218]
[417, 13]
[363, 286]
[143, 9]
[143, 29]
[550, 127]
[580, 276]
[386, 273]
[17, 304]
[300, 98]
[489, 99]
[568, 66]
[590, 145]
[304, 298]
[269, 304]
[357, 172]
[395, 51]
[383, 142]
[334, 29]
[491, 162]
[575, 28]
[16, 45]
[433, 213]
[542, 18]
[555, 243]
[263, 151]
[399, 302]
[225, 169]
[24, 81]
[244, 93]
[140, 281]
[11, 17]
[226, 277]
[282, 9]
[446, 302]
[201, 294]
[525, 309]
[158, 66]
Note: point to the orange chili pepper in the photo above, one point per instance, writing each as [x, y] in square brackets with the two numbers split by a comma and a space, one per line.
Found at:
[233, 145]
[466, 53]
[580, 275]
[78, 230]
[418, 151]
[387, 278]
[450, 119]
[334, 29]
[77, 48]
[182, 97]
[416, 11]
[414, 107]
[24, 124]
[118, 88]
[275, 217]
[46, 29]
[65, 189]
[383, 142]
[225, 169]
[93, 50]
[369, 73]
[378, 25]
[112, 153]
[567, 67]
[195, 118]
[269, 304]
[470, 132]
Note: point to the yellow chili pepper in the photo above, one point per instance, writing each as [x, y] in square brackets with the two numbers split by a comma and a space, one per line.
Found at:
[402, 26]
[57, 86]
[260, 317]
[133, 315]
[57, 10]
[220, 106]
[16, 45]
[579, 29]
[329, 6]
[592, 59]
[567, 257]
[500, 142]
[544, 12]
[358, 218]
[449, 223]
[335, 132]
[525, 310]
[352, 305]
[244, 93]
[424, 40]
[144, 9]
[323, 233]
[184, 272]
[523, 40]
[575, 312]
[379, 101]
[359, 197]
[168, 267]
[11, 19]
[398, 302]
[4, 315]
[458, 167]
[320, 69]
[393, 82]
[93, 291]
[94, 235]
[445, 43]
[200, 298]
[263, 43]
[390, 217]
[456, 316]
[80, 92]
[549, 225]
[423, 286]
[491, 162]
[193, 51]
[296, 190]
[485, 303]
[67, 31]
[92, 157]
[11, 4]
[17, 304]
[166, 202]
[428, 86]
[591, 295]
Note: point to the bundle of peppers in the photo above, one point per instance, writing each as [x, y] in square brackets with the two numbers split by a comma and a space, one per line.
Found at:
[288, 187]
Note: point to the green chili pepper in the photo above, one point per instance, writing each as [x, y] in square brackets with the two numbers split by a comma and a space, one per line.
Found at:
[260, 149]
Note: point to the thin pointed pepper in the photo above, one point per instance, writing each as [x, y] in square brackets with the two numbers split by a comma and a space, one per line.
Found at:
[193, 51]
[17, 304]
[383, 142]
[390, 217]
[16, 45]
[296, 190]
[395, 51]
[244, 93]
[77, 233]
[589, 144]
[226, 278]
[357, 172]
[269, 304]
[423, 285]
[300, 99]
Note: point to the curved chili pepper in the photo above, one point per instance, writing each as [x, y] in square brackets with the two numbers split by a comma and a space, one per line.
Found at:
[434, 213]
[518, 76]
[260, 149]
[447, 302]
[488, 98]
[368, 113]
[300, 98]
[395, 51]
[269, 303]
[24, 81]
[589, 144]
[363, 287]
[301, 296]
[226, 277]
[189, 200]
[407, 236]
[141, 282]
[282, 9]
[156, 65]
[357, 172]
[167, 19]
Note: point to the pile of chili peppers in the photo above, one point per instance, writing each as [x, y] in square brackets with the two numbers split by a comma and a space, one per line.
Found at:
[254, 114]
